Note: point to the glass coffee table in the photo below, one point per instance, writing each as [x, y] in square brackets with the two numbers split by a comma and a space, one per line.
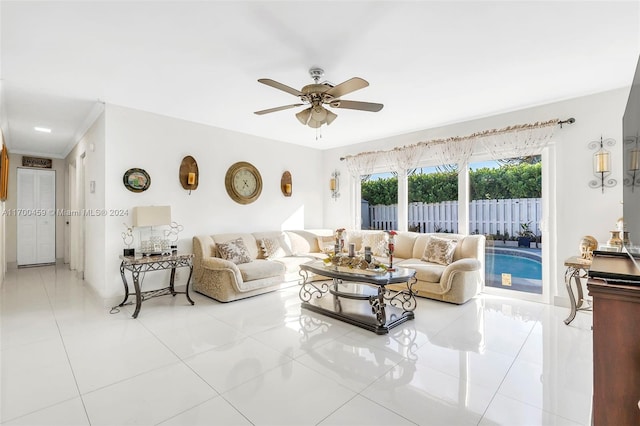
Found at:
[342, 295]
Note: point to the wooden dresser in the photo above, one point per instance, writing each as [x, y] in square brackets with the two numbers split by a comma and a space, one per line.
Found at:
[616, 352]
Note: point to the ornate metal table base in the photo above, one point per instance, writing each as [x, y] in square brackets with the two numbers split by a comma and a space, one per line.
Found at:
[576, 269]
[136, 265]
[342, 298]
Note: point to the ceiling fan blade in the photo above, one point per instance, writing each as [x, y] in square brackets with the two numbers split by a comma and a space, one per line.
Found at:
[280, 86]
[351, 85]
[267, 111]
[363, 106]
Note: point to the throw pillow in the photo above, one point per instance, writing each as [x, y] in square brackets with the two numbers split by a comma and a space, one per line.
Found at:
[326, 244]
[377, 241]
[235, 251]
[271, 248]
[439, 250]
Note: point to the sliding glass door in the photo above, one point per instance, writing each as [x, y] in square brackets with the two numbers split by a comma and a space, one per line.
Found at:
[506, 206]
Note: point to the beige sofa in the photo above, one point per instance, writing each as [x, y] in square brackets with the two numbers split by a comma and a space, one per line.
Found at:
[226, 281]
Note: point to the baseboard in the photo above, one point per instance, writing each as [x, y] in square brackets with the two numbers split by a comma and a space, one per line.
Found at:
[561, 301]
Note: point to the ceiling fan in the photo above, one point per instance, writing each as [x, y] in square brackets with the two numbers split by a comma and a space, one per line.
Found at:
[317, 95]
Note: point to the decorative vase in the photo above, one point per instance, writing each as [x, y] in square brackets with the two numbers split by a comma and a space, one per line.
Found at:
[615, 239]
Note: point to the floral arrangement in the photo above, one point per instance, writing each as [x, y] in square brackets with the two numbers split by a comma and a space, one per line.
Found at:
[355, 262]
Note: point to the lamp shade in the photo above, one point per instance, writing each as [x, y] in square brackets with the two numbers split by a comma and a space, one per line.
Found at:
[602, 161]
[634, 160]
[330, 117]
[151, 215]
[303, 116]
[318, 113]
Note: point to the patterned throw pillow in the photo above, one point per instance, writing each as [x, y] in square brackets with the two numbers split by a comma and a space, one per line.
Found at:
[439, 250]
[271, 248]
[377, 241]
[235, 251]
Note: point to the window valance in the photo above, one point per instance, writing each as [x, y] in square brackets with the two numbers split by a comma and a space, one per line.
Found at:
[513, 141]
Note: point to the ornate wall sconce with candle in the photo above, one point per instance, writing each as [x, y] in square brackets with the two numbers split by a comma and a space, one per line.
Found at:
[602, 164]
[188, 173]
[334, 184]
[286, 185]
[632, 166]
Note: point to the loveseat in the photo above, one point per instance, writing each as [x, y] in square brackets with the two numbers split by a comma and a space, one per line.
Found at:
[234, 266]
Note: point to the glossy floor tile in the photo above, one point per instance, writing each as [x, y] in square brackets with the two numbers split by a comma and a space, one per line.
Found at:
[66, 360]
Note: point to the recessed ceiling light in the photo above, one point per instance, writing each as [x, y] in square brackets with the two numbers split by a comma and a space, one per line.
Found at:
[42, 129]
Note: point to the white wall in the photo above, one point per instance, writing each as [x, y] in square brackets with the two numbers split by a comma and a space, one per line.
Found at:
[158, 144]
[92, 147]
[575, 209]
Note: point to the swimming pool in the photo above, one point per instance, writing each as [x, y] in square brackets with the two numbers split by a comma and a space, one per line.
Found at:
[524, 266]
[517, 266]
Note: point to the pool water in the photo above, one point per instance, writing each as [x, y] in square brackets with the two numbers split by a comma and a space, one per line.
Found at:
[497, 264]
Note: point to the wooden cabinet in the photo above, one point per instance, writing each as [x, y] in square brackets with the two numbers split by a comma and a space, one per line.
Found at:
[616, 352]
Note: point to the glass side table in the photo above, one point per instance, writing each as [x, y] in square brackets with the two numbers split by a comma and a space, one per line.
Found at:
[577, 268]
[138, 264]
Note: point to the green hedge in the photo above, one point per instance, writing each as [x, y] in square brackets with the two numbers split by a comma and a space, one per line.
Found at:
[510, 181]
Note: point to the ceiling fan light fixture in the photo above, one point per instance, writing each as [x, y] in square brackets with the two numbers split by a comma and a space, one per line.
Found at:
[303, 116]
[318, 113]
[317, 96]
[330, 117]
[314, 124]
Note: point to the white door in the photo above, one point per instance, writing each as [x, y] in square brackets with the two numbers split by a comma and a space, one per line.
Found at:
[36, 203]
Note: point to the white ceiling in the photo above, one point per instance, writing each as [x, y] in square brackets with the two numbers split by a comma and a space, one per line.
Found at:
[429, 63]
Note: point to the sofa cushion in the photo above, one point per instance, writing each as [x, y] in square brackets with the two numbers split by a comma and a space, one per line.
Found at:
[429, 272]
[292, 264]
[249, 241]
[377, 241]
[422, 240]
[235, 251]
[305, 241]
[280, 236]
[271, 248]
[439, 250]
[404, 245]
[326, 243]
[260, 269]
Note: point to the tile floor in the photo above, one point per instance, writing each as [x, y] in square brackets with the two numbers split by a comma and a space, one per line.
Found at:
[67, 361]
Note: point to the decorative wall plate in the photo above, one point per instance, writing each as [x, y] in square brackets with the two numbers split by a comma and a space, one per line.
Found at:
[243, 182]
[136, 180]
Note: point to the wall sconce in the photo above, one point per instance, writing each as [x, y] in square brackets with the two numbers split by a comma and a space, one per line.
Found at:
[632, 160]
[334, 184]
[602, 164]
[188, 173]
[286, 185]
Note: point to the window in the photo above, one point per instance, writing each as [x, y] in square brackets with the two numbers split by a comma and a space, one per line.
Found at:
[433, 199]
[379, 201]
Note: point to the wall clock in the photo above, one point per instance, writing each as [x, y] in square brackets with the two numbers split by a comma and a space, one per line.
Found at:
[243, 182]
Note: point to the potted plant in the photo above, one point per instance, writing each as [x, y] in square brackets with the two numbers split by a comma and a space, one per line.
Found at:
[525, 235]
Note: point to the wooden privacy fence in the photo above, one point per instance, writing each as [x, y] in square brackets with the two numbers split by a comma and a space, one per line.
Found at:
[485, 216]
